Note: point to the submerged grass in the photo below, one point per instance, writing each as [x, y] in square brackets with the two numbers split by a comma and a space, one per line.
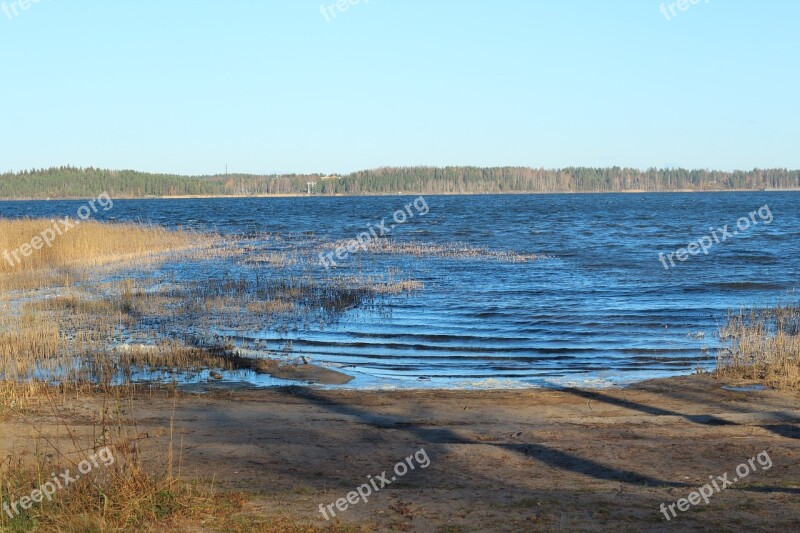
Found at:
[764, 345]
[454, 251]
[86, 334]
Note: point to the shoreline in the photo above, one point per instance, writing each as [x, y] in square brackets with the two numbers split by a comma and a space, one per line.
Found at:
[313, 374]
[404, 194]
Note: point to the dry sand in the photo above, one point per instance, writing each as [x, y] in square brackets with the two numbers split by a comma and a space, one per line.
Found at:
[537, 460]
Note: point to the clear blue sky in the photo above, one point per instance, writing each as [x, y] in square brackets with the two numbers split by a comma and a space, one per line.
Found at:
[272, 86]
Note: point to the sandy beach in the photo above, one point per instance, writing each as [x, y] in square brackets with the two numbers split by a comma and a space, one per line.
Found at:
[535, 460]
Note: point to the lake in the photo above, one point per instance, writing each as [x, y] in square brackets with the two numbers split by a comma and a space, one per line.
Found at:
[599, 310]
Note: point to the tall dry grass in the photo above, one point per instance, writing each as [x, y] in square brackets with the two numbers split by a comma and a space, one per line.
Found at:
[764, 345]
[89, 244]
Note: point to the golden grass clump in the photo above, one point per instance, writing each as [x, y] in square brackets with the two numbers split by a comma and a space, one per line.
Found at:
[89, 243]
[764, 345]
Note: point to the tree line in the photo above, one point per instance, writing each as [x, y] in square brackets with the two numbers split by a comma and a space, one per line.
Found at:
[73, 182]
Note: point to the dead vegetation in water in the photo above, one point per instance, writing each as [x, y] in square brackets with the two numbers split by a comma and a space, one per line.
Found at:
[454, 251]
[272, 259]
[763, 345]
[84, 334]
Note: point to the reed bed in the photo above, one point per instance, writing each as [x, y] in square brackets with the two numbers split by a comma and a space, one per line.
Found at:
[90, 242]
[28, 261]
[763, 345]
[454, 251]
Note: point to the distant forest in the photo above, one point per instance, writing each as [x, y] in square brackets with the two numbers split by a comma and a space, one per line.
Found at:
[70, 182]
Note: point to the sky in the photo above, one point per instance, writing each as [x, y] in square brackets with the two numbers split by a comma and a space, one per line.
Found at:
[267, 86]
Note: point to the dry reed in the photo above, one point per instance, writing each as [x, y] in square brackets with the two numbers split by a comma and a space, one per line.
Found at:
[763, 345]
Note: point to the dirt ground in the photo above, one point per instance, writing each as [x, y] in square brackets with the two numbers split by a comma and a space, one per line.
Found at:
[535, 460]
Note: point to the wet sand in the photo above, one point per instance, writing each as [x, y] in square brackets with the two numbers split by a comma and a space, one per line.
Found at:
[536, 460]
[301, 372]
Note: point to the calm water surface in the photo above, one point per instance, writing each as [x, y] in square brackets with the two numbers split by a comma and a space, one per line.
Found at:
[600, 310]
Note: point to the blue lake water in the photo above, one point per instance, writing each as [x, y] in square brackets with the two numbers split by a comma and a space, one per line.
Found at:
[600, 310]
